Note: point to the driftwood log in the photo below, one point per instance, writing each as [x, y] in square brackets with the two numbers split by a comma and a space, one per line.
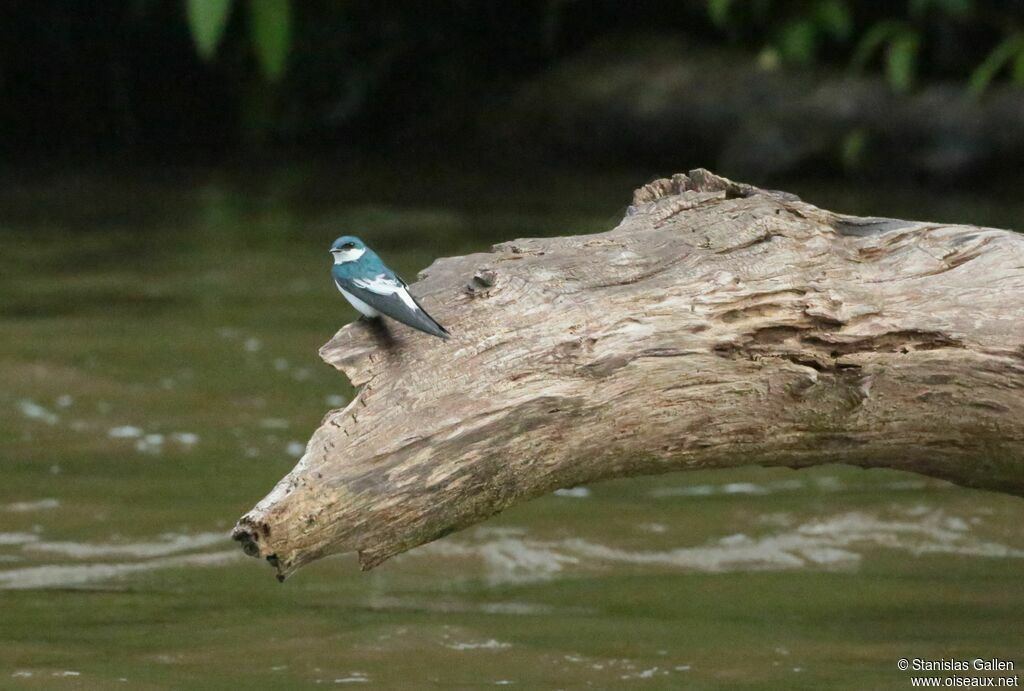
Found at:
[718, 325]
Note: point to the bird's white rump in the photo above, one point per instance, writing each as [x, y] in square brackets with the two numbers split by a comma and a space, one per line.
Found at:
[382, 285]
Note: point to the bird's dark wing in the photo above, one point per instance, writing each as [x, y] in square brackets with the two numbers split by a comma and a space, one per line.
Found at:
[390, 295]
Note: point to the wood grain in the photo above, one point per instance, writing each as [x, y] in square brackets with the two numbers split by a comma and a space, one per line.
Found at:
[717, 325]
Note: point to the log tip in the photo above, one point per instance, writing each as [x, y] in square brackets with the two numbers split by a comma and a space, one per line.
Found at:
[247, 533]
[247, 537]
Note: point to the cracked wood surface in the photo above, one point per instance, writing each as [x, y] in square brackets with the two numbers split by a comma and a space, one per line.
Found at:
[718, 325]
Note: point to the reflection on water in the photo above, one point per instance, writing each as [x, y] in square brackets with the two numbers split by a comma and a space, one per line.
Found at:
[160, 373]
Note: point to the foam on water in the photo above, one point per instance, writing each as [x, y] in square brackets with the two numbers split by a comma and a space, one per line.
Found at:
[152, 442]
[26, 506]
[124, 432]
[63, 576]
[34, 411]
[490, 644]
[823, 484]
[185, 438]
[165, 545]
[839, 541]
[446, 606]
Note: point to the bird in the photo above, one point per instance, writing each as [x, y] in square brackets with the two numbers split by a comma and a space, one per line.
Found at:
[374, 289]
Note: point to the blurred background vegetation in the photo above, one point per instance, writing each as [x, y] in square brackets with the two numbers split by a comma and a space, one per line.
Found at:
[206, 77]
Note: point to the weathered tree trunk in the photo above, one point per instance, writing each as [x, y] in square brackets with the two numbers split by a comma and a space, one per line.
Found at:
[718, 325]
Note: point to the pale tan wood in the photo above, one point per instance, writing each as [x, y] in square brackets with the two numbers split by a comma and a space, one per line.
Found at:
[718, 325]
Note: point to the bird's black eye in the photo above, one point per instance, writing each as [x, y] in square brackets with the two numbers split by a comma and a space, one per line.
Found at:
[347, 246]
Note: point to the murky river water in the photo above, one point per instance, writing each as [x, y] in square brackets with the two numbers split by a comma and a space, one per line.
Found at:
[158, 373]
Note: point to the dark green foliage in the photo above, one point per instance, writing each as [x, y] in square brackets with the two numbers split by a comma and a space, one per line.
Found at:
[917, 39]
[271, 35]
[207, 20]
[218, 73]
[1009, 52]
[270, 27]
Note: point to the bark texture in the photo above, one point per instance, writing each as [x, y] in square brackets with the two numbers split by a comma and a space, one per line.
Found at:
[718, 325]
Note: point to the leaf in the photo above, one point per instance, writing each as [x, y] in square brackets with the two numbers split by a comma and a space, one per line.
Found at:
[768, 59]
[271, 33]
[852, 148]
[207, 20]
[798, 42]
[718, 12]
[902, 61]
[873, 39]
[1018, 68]
[833, 16]
[1001, 55]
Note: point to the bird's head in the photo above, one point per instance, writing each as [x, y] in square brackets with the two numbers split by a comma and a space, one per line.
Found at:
[347, 248]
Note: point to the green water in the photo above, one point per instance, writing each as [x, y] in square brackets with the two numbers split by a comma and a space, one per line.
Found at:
[158, 373]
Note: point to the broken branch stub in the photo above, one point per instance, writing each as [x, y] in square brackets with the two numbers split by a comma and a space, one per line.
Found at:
[717, 325]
